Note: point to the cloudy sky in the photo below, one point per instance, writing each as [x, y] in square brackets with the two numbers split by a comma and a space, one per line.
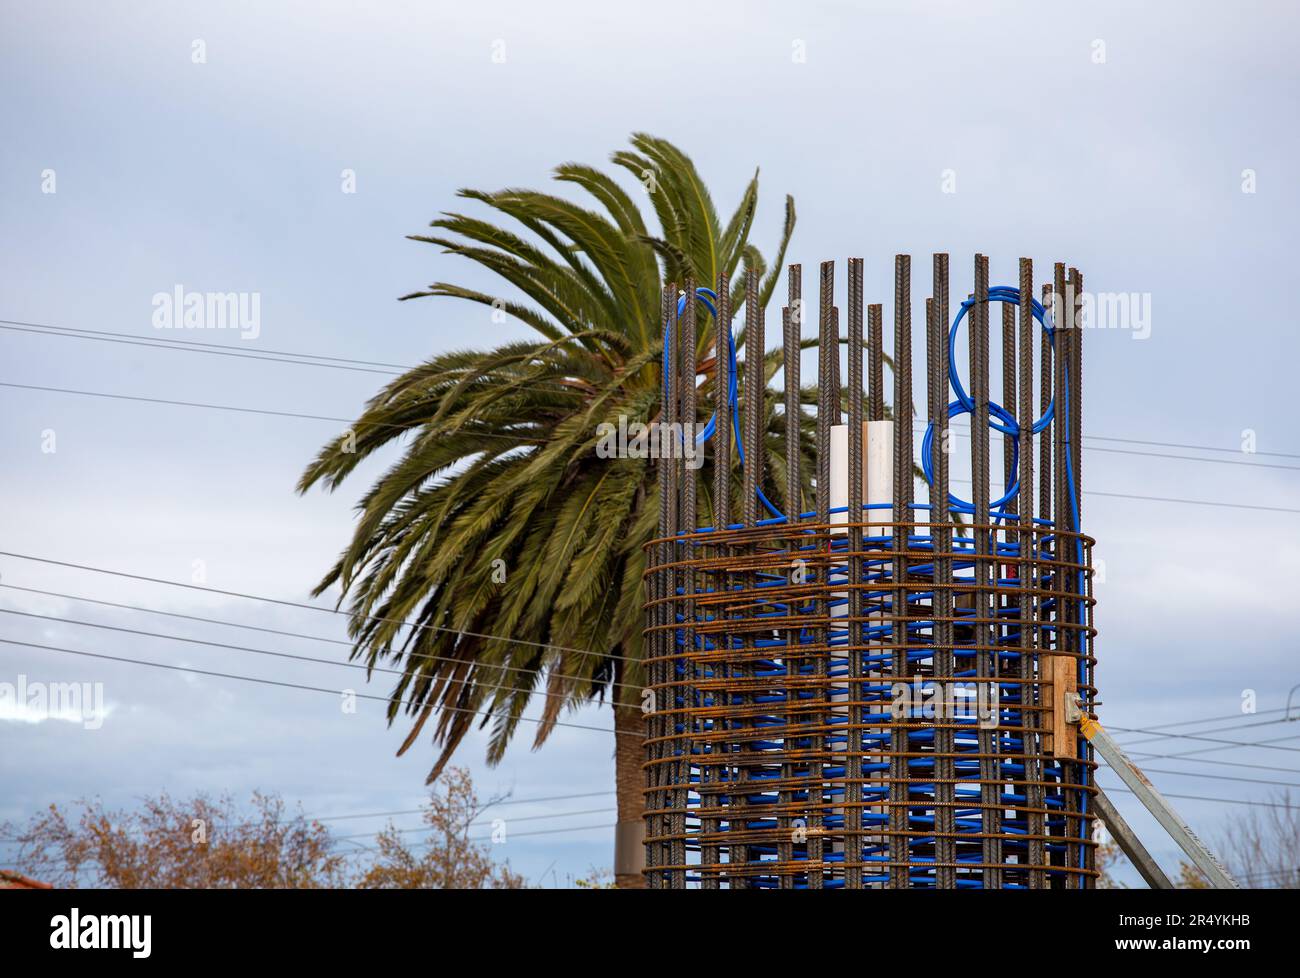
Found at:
[206, 147]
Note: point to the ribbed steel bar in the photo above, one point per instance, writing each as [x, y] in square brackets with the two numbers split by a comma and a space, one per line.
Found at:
[945, 796]
[1046, 490]
[1029, 633]
[1060, 550]
[689, 514]
[827, 414]
[765, 553]
[899, 740]
[1076, 384]
[1072, 606]
[753, 398]
[1088, 678]
[719, 774]
[876, 363]
[686, 577]
[679, 767]
[754, 463]
[773, 648]
[792, 334]
[657, 773]
[984, 610]
[853, 811]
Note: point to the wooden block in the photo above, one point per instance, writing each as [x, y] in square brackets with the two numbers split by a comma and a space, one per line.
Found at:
[1062, 685]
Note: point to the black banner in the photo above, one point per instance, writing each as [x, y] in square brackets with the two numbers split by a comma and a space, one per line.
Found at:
[138, 928]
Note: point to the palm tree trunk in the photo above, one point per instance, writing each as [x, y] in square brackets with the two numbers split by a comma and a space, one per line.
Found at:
[629, 783]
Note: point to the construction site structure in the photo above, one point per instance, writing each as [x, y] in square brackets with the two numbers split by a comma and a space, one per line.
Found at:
[861, 688]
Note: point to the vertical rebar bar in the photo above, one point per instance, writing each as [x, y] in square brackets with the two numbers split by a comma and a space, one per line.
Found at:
[792, 332]
[1030, 684]
[984, 561]
[754, 414]
[656, 855]
[690, 487]
[828, 352]
[945, 772]
[1075, 288]
[1084, 613]
[791, 335]
[853, 728]
[676, 798]
[1060, 549]
[686, 576]
[729, 730]
[899, 823]
[711, 854]
[1073, 604]
[876, 363]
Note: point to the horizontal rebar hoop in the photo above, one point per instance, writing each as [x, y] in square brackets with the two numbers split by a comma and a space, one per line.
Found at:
[739, 700]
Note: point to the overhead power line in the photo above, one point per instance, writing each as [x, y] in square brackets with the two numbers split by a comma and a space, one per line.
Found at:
[426, 828]
[247, 410]
[1184, 736]
[527, 437]
[200, 346]
[1214, 719]
[283, 684]
[185, 347]
[302, 658]
[922, 425]
[273, 631]
[1230, 745]
[1226, 801]
[301, 358]
[303, 605]
[415, 655]
[1233, 764]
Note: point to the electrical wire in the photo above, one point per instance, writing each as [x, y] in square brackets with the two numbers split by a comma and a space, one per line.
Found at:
[520, 437]
[420, 656]
[485, 714]
[309, 360]
[307, 607]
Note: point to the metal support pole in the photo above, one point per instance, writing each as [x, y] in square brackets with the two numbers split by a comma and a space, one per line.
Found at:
[1130, 844]
[1155, 803]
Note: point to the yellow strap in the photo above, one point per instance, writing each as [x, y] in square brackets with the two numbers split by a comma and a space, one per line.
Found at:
[1088, 726]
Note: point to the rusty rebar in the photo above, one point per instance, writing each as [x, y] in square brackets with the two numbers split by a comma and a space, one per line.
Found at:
[898, 813]
[773, 695]
[853, 823]
[1029, 633]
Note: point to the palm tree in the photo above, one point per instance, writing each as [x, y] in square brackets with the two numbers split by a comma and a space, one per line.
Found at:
[513, 553]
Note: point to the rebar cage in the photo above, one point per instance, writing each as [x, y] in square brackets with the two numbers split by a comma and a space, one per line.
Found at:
[871, 694]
